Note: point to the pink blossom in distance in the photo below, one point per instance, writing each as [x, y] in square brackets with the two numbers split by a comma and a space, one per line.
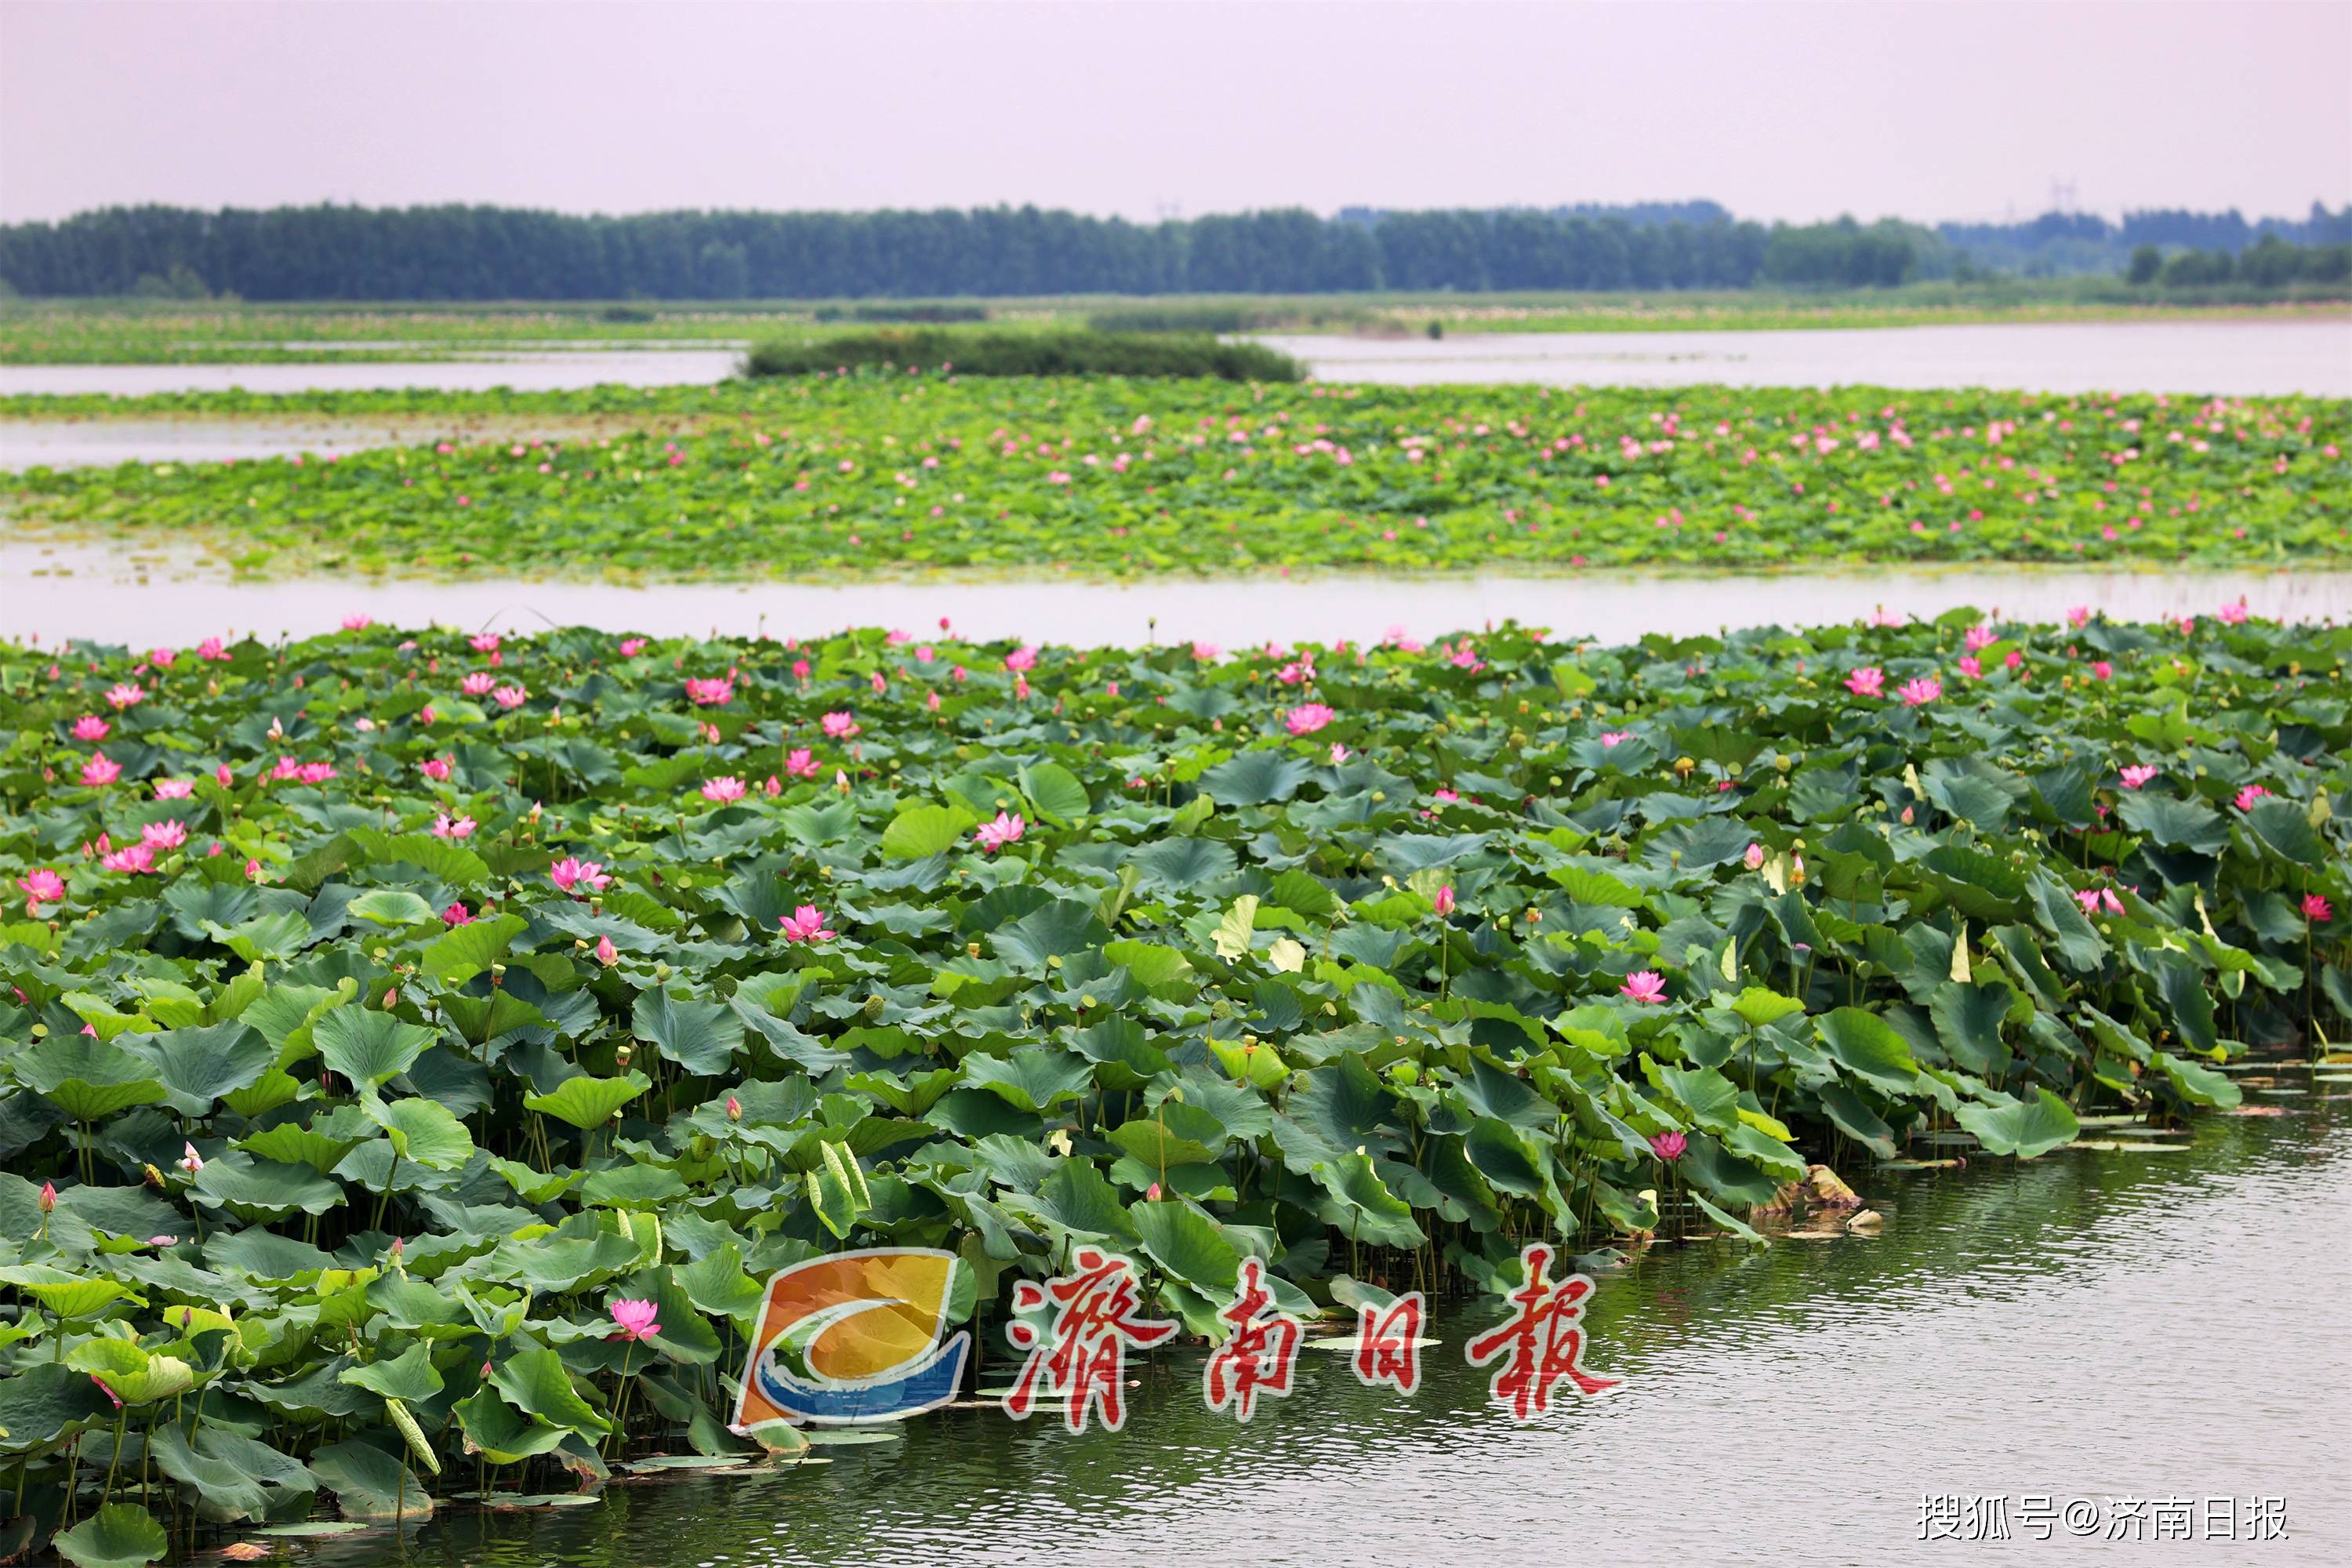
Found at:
[569, 874]
[805, 923]
[1644, 985]
[723, 790]
[1867, 681]
[1307, 718]
[994, 836]
[1918, 693]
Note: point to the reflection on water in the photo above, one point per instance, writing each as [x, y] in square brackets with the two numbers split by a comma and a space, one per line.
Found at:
[523, 372]
[75, 592]
[2094, 1324]
[103, 443]
[2234, 358]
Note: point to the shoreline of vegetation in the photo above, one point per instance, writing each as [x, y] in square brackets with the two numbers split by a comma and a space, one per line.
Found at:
[875, 474]
[936, 350]
[131, 331]
[386, 1010]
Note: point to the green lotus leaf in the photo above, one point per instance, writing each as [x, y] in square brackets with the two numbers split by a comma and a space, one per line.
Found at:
[367, 1047]
[371, 1482]
[2027, 1128]
[119, 1535]
[586, 1102]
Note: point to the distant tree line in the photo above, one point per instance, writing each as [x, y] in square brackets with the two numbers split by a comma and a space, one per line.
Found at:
[502, 253]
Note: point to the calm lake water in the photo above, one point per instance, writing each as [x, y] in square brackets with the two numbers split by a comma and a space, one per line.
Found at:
[73, 591]
[2236, 358]
[2233, 357]
[2092, 1325]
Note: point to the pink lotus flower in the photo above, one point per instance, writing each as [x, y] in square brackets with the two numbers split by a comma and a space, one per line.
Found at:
[632, 647]
[838, 726]
[1969, 667]
[436, 768]
[125, 694]
[457, 915]
[174, 789]
[800, 764]
[315, 773]
[358, 623]
[2315, 908]
[1609, 739]
[161, 657]
[1307, 718]
[568, 873]
[2247, 796]
[447, 826]
[1754, 858]
[41, 886]
[253, 870]
[510, 697]
[190, 1160]
[169, 834]
[101, 771]
[90, 727]
[1340, 753]
[2080, 615]
[2102, 670]
[1668, 1146]
[1443, 796]
[2234, 615]
[734, 1109]
[638, 1320]
[1867, 681]
[805, 923]
[1444, 902]
[478, 683]
[483, 642]
[1206, 653]
[606, 953]
[723, 790]
[2089, 899]
[994, 836]
[711, 693]
[1921, 691]
[2136, 775]
[2108, 901]
[1021, 660]
[426, 715]
[1644, 985]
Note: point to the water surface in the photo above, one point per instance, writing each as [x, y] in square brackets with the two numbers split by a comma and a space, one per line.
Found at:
[76, 591]
[2234, 357]
[2100, 1325]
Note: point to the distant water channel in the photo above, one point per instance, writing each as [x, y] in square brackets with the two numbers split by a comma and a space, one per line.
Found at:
[2122, 1327]
[76, 590]
[2231, 357]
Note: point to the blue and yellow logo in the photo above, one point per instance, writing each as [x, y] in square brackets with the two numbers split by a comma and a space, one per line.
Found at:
[855, 1337]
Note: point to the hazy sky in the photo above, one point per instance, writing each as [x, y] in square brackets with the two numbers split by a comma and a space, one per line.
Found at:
[1795, 111]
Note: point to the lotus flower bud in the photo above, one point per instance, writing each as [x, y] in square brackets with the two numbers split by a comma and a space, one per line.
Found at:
[49, 1197]
[734, 1109]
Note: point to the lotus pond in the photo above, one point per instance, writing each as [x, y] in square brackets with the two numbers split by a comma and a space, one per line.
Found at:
[876, 475]
[387, 1008]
